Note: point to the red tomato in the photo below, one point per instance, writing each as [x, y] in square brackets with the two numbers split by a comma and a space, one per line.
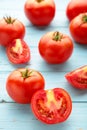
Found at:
[10, 29]
[23, 83]
[78, 78]
[78, 28]
[55, 47]
[40, 12]
[18, 52]
[51, 106]
[75, 7]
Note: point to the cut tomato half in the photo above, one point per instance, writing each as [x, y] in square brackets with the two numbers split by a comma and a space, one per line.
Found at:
[18, 52]
[78, 78]
[51, 106]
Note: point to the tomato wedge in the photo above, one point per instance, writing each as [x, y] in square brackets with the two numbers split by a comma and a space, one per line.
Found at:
[78, 78]
[18, 52]
[51, 106]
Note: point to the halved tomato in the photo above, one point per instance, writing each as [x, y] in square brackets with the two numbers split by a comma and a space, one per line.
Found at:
[51, 106]
[78, 77]
[18, 52]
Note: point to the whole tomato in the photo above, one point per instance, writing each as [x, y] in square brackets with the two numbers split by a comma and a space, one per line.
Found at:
[10, 29]
[51, 106]
[18, 52]
[78, 28]
[23, 83]
[55, 47]
[78, 77]
[75, 7]
[40, 12]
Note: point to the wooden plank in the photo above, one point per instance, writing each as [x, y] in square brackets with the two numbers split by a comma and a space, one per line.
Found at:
[16, 116]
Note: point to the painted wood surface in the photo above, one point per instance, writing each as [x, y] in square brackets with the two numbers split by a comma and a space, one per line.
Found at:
[15, 116]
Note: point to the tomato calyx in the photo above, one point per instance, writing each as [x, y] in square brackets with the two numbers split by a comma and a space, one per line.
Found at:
[84, 18]
[9, 20]
[57, 36]
[26, 73]
[39, 1]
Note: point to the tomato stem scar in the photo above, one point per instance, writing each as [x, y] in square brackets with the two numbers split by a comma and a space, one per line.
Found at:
[39, 0]
[57, 36]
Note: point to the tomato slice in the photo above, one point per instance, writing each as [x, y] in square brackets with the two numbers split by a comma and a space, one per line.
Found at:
[18, 52]
[78, 78]
[51, 106]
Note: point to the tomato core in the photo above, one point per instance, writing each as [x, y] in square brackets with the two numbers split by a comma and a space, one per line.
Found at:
[54, 105]
[57, 36]
[9, 20]
[18, 47]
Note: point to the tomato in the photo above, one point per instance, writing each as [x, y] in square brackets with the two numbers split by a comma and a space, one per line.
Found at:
[55, 47]
[22, 83]
[51, 106]
[18, 52]
[10, 29]
[40, 12]
[75, 7]
[78, 77]
[78, 28]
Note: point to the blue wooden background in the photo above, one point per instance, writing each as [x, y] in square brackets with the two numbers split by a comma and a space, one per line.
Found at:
[15, 116]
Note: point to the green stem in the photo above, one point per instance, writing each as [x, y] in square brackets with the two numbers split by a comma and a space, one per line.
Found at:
[84, 18]
[26, 73]
[57, 36]
[9, 20]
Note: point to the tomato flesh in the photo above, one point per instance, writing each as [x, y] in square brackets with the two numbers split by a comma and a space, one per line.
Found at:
[18, 52]
[78, 77]
[51, 106]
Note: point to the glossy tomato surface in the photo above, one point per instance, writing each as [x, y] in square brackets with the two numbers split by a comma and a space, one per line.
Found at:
[78, 77]
[40, 12]
[55, 47]
[78, 28]
[51, 106]
[18, 52]
[75, 7]
[23, 83]
[10, 29]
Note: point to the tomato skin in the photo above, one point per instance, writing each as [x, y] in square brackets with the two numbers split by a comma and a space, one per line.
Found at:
[75, 7]
[78, 77]
[18, 52]
[21, 89]
[11, 31]
[78, 28]
[55, 51]
[40, 13]
[51, 106]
